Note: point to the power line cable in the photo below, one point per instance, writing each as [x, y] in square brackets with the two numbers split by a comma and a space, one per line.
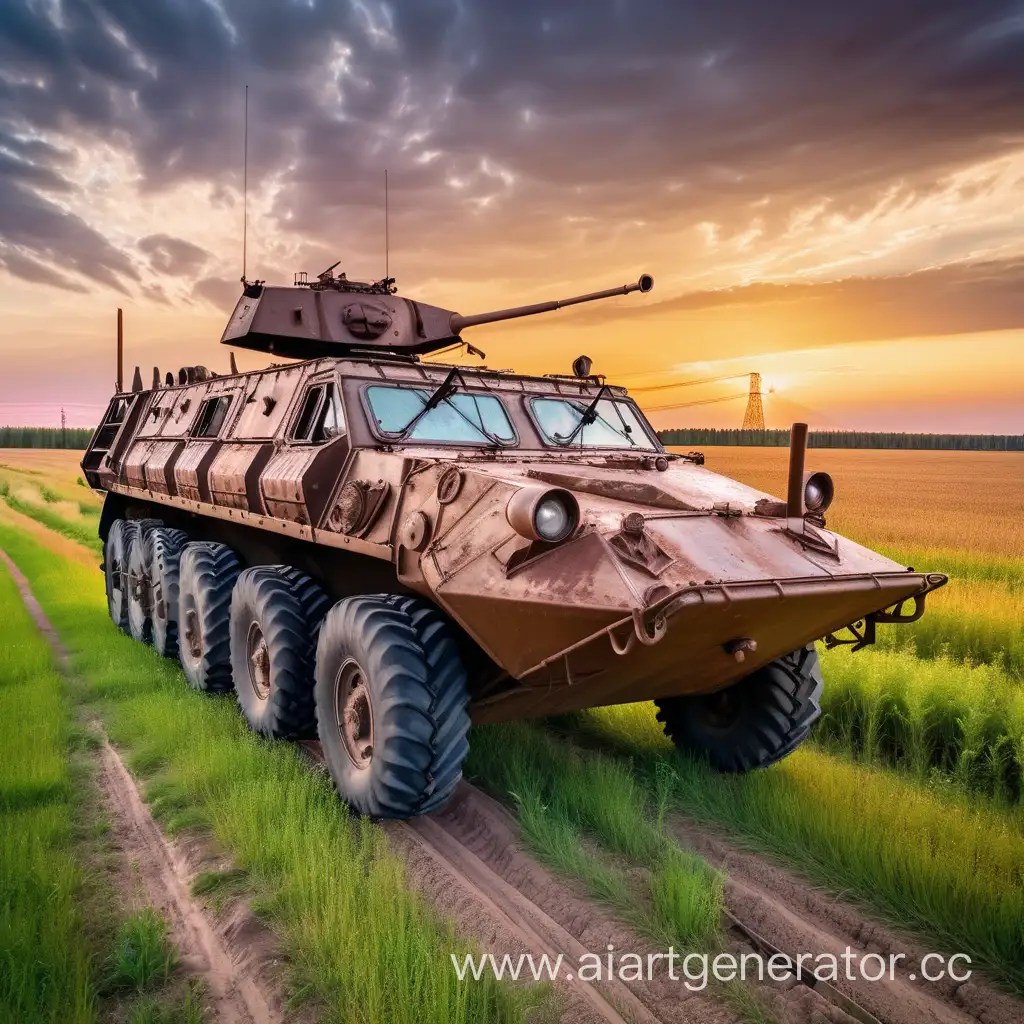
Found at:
[686, 405]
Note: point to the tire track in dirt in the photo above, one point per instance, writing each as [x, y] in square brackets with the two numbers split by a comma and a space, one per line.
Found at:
[231, 984]
[228, 959]
[482, 904]
[794, 915]
[537, 932]
[484, 828]
[476, 872]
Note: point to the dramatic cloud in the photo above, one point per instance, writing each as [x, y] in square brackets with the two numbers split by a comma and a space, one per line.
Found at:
[601, 112]
[955, 299]
[169, 255]
[218, 292]
[37, 273]
[852, 170]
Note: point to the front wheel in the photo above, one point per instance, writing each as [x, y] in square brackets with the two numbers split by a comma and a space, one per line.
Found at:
[753, 723]
[391, 705]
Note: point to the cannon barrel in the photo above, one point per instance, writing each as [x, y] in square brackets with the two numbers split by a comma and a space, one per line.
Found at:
[458, 321]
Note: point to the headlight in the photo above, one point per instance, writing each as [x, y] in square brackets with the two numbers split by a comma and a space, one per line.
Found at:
[818, 491]
[540, 513]
[552, 520]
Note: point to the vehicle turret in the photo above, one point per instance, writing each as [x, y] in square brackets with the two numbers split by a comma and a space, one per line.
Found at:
[332, 316]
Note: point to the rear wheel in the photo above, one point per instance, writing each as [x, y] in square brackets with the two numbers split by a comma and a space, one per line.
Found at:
[275, 620]
[115, 563]
[139, 584]
[391, 705]
[207, 574]
[163, 552]
[753, 723]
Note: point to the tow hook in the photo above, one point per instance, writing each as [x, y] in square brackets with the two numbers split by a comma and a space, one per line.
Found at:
[640, 632]
[740, 647]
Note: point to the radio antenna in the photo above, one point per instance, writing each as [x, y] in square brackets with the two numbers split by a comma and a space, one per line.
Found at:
[386, 245]
[245, 185]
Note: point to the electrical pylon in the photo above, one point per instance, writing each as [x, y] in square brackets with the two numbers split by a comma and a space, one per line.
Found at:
[753, 418]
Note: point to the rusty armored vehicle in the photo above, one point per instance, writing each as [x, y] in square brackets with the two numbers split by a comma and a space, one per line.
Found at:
[375, 549]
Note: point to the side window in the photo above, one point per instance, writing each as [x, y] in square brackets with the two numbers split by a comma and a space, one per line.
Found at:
[211, 416]
[321, 417]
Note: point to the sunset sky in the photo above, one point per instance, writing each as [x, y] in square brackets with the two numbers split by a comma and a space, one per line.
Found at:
[830, 194]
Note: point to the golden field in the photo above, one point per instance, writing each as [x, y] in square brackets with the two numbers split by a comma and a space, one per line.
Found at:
[961, 513]
[960, 501]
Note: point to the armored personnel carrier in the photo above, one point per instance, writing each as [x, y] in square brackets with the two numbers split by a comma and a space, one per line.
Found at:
[375, 549]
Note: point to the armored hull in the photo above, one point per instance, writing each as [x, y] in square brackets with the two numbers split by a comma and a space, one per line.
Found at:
[535, 524]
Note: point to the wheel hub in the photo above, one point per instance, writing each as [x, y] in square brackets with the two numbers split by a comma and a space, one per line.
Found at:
[722, 709]
[117, 587]
[259, 662]
[139, 588]
[354, 714]
[193, 635]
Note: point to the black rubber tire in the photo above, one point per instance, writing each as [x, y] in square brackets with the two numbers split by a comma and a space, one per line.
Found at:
[754, 723]
[115, 569]
[206, 579]
[408, 660]
[450, 741]
[140, 592]
[163, 552]
[287, 607]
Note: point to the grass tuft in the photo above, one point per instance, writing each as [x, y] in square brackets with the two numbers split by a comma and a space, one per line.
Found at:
[166, 1009]
[144, 954]
[945, 723]
[688, 896]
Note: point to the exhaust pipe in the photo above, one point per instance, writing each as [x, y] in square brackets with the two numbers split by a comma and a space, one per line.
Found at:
[797, 456]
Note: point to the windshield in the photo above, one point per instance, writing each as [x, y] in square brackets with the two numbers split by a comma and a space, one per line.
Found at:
[615, 424]
[464, 418]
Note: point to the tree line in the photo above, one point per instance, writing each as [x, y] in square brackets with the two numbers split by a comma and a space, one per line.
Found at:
[75, 438]
[689, 436]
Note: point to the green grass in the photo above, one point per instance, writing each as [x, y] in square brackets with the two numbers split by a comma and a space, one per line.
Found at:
[949, 868]
[943, 722]
[46, 970]
[978, 616]
[982, 623]
[188, 1008]
[683, 889]
[357, 937]
[960, 566]
[84, 533]
[563, 799]
[144, 954]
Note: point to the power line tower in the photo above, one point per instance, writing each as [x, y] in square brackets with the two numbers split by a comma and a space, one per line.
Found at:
[63, 429]
[753, 418]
